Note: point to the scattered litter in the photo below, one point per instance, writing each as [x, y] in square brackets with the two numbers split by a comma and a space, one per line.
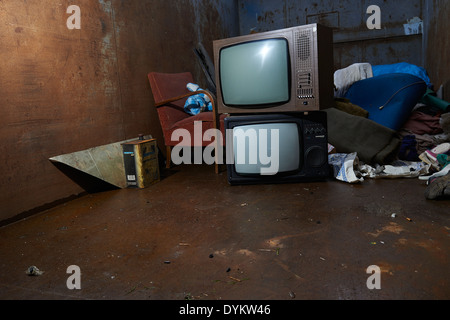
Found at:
[34, 271]
[183, 244]
[393, 215]
[348, 168]
[167, 262]
[344, 166]
[322, 258]
[292, 294]
[373, 242]
[211, 256]
[409, 219]
[235, 279]
[228, 269]
[276, 250]
[244, 204]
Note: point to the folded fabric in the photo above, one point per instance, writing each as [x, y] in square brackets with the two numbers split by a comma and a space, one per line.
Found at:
[436, 157]
[408, 149]
[346, 106]
[197, 103]
[374, 143]
[422, 123]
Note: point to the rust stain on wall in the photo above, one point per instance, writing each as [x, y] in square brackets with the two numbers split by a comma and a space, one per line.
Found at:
[65, 90]
[46, 72]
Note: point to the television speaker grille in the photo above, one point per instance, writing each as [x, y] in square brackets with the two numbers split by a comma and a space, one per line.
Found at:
[303, 47]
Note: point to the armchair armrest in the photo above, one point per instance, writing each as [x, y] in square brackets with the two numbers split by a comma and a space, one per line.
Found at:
[193, 93]
[215, 114]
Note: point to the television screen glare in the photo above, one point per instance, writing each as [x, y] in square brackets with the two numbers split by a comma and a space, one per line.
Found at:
[255, 73]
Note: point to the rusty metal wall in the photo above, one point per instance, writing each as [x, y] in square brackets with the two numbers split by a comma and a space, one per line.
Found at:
[64, 90]
[354, 41]
[437, 42]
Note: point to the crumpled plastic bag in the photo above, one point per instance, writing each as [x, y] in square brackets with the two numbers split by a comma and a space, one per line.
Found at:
[344, 165]
[197, 103]
[348, 168]
[399, 169]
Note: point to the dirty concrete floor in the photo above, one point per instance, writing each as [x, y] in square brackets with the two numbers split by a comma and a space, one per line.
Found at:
[192, 236]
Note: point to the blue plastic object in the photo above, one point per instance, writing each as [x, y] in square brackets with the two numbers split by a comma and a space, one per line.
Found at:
[402, 67]
[388, 98]
[197, 103]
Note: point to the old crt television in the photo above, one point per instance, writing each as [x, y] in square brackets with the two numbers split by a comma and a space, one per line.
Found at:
[277, 148]
[286, 70]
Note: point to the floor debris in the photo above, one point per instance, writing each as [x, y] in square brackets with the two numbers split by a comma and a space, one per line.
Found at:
[34, 271]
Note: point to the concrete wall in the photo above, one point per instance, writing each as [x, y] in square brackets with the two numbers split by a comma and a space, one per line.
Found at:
[65, 90]
[354, 41]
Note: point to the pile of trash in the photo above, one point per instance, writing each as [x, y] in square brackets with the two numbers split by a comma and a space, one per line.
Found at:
[389, 123]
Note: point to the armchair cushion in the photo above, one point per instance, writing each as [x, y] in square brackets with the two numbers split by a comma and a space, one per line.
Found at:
[189, 124]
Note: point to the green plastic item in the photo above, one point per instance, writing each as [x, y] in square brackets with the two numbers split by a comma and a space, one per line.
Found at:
[430, 99]
[443, 160]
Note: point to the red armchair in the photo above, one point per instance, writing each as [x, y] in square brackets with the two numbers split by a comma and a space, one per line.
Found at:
[170, 93]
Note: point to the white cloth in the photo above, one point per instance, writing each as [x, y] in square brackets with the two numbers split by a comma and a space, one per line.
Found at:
[344, 78]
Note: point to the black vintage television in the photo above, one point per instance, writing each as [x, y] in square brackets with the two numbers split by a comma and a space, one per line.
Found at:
[286, 70]
[277, 148]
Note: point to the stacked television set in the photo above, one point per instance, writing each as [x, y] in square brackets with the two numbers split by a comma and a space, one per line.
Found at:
[273, 86]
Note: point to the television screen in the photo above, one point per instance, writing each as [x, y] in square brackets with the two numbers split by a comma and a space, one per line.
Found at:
[276, 148]
[255, 73]
[266, 149]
